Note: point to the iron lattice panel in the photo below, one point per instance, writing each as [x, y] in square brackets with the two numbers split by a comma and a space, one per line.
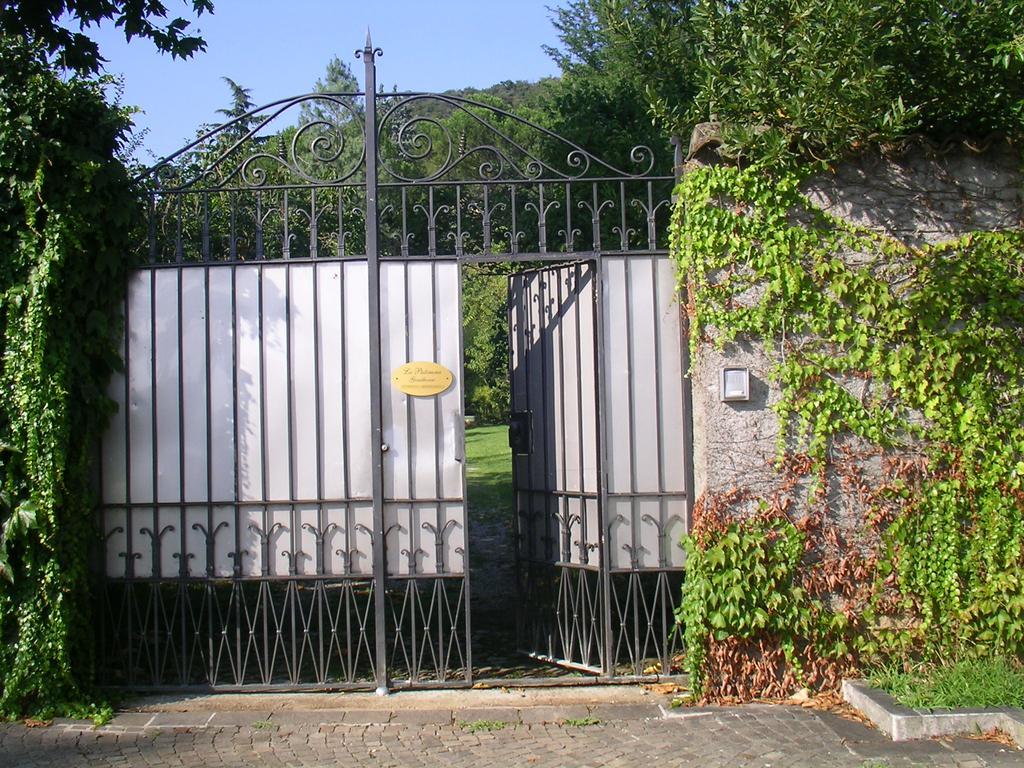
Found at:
[427, 630]
[644, 631]
[560, 614]
[241, 633]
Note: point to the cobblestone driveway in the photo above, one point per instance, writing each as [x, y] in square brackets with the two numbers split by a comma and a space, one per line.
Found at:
[536, 737]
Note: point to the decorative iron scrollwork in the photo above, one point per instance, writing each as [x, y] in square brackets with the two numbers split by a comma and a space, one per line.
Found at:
[239, 155]
[417, 145]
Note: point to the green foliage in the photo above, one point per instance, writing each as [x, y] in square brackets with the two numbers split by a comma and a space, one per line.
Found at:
[68, 217]
[823, 78]
[984, 683]
[45, 24]
[581, 722]
[485, 341]
[912, 349]
[482, 726]
[599, 101]
[744, 583]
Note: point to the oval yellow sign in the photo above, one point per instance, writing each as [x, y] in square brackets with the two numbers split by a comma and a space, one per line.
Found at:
[422, 379]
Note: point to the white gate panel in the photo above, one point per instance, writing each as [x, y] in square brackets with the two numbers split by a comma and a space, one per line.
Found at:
[241, 443]
[424, 511]
[647, 506]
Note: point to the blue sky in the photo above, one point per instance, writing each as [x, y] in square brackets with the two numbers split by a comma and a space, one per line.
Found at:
[278, 48]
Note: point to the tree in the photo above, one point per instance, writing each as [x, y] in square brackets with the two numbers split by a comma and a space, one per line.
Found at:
[38, 23]
[599, 102]
[237, 113]
[821, 78]
[338, 78]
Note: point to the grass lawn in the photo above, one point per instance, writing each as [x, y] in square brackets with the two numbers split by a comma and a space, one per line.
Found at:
[489, 469]
[985, 682]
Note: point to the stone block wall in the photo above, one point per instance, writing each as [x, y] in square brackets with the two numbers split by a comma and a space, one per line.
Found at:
[922, 195]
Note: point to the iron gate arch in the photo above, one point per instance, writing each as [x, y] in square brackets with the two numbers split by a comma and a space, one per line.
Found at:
[264, 521]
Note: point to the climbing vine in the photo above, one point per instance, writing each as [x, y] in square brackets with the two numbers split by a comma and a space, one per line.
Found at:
[68, 217]
[911, 354]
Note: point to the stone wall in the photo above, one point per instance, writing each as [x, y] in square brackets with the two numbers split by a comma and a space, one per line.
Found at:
[923, 195]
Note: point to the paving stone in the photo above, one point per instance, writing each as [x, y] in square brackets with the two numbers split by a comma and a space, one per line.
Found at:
[180, 719]
[130, 719]
[311, 717]
[625, 711]
[366, 716]
[553, 714]
[494, 714]
[782, 737]
[244, 718]
[422, 717]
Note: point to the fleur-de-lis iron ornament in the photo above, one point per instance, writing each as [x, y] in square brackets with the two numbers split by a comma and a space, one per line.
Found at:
[439, 563]
[541, 209]
[634, 554]
[210, 538]
[265, 541]
[320, 534]
[662, 528]
[567, 521]
[155, 540]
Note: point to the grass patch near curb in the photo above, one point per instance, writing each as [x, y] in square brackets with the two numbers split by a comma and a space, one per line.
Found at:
[580, 722]
[980, 683]
[483, 726]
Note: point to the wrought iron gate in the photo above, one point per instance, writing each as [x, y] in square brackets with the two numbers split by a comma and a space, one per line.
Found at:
[275, 514]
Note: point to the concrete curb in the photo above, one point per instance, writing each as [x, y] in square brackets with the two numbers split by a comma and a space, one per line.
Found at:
[904, 724]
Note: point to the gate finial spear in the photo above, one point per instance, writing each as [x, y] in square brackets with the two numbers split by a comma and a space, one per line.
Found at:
[368, 52]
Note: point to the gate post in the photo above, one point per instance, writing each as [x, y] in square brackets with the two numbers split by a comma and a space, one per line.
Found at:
[369, 55]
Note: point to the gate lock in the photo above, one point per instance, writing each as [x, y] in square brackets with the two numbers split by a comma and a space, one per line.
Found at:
[520, 432]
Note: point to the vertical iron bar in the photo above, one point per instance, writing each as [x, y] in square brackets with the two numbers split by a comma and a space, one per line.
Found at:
[584, 526]
[466, 593]
[321, 553]
[178, 244]
[624, 232]
[314, 234]
[631, 432]
[293, 513]
[560, 452]
[286, 240]
[341, 223]
[205, 242]
[237, 565]
[263, 599]
[458, 225]
[542, 226]
[604, 562]
[486, 221]
[655, 298]
[210, 530]
[376, 409]
[128, 466]
[155, 467]
[513, 246]
[151, 228]
[181, 468]
[688, 483]
[233, 234]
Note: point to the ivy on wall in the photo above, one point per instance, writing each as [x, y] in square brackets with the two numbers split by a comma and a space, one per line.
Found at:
[68, 219]
[913, 352]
